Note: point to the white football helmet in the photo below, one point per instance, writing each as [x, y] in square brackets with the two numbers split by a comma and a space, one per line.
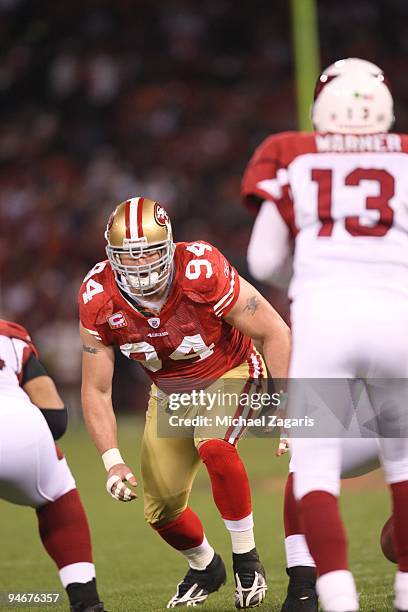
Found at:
[140, 228]
[352, 96]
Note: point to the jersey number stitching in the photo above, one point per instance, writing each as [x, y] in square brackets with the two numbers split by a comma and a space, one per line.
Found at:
[353, 225]
[190, 347]
[92, 287]
[196, 266]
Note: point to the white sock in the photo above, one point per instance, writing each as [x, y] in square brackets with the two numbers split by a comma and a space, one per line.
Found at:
[242, 534]
[200, 556]
[401, 590]
[77, 572]
[337, 591]
[297, 551]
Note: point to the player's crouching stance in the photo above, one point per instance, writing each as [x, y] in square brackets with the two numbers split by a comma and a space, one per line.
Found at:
[184, 314]
[33, 471]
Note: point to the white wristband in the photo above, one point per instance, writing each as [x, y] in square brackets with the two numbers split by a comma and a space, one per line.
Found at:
[111, 457]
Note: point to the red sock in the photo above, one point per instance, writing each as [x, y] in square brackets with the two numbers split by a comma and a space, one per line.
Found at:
[324, 531]
[399, 492]
[229, 480]
[64, 530]
[186, 531]
[291, 510]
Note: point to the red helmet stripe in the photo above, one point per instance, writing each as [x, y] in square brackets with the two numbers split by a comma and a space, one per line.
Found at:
[321, 83]
[140, 217]
[127, 218]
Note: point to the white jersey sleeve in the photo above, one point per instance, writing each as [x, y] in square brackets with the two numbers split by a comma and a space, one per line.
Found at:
[13, 356]
[269, 253]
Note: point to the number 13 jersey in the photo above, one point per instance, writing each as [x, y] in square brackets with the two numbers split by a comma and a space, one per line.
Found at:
[344, 199]
[188, 344]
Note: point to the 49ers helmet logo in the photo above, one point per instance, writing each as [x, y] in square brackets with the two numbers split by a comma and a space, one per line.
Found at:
[160, 215]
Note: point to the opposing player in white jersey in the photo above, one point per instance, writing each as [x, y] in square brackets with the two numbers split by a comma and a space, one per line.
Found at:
[337, 199]
[33, 471]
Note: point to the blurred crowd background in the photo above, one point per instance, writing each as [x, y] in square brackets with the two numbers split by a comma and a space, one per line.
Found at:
[104, 99]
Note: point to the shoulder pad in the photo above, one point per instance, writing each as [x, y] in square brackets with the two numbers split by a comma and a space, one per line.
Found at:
[14, 330]
[207, 276]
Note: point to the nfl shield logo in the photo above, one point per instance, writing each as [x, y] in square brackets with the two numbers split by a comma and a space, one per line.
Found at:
[154, 322]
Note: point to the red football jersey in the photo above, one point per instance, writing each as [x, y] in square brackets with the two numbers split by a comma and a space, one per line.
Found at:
[185, 346]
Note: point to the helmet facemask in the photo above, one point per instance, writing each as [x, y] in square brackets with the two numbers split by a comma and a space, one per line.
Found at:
[141, 280]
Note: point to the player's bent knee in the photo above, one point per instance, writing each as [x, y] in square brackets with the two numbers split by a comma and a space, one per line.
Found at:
[214, 451]
[162, 517]
[55, 483]
[160, 512]
[306, 483]
[395, 471]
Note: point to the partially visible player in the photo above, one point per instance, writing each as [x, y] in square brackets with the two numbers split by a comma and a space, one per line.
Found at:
[337, 200]
[184, 314]
[33, 471]
[359, 457]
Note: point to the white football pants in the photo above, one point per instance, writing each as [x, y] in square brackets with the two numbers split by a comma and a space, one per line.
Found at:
[30, 472]
[349, 333]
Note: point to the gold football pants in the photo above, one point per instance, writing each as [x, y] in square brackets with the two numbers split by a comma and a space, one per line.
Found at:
[169, 464]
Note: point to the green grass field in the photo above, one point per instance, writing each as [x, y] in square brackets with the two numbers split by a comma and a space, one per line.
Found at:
[136, 571]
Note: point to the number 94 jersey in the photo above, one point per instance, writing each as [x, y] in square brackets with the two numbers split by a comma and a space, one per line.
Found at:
[185, 346]
[344, 199]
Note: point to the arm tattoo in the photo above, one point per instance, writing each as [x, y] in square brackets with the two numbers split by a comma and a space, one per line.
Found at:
[252, 304]
[89, 349]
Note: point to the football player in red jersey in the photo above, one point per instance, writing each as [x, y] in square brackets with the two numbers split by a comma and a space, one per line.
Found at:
[333, 215]
[183, 313]
[33, 471]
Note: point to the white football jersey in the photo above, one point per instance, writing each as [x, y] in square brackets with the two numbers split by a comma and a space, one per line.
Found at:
[344, 199]
[14, 353]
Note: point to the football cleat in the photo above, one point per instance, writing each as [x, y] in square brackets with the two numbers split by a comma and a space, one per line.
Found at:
[83, 597]
[302, 596]
[250, 580]
[197, 585]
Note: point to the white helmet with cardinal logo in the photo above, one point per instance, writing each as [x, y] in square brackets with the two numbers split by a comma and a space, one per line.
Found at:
[352, 96]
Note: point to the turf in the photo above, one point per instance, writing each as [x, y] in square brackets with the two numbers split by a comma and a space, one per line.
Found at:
[136, 571]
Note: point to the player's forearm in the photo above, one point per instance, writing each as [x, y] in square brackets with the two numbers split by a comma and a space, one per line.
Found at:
[100, 419]
[276, 351]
